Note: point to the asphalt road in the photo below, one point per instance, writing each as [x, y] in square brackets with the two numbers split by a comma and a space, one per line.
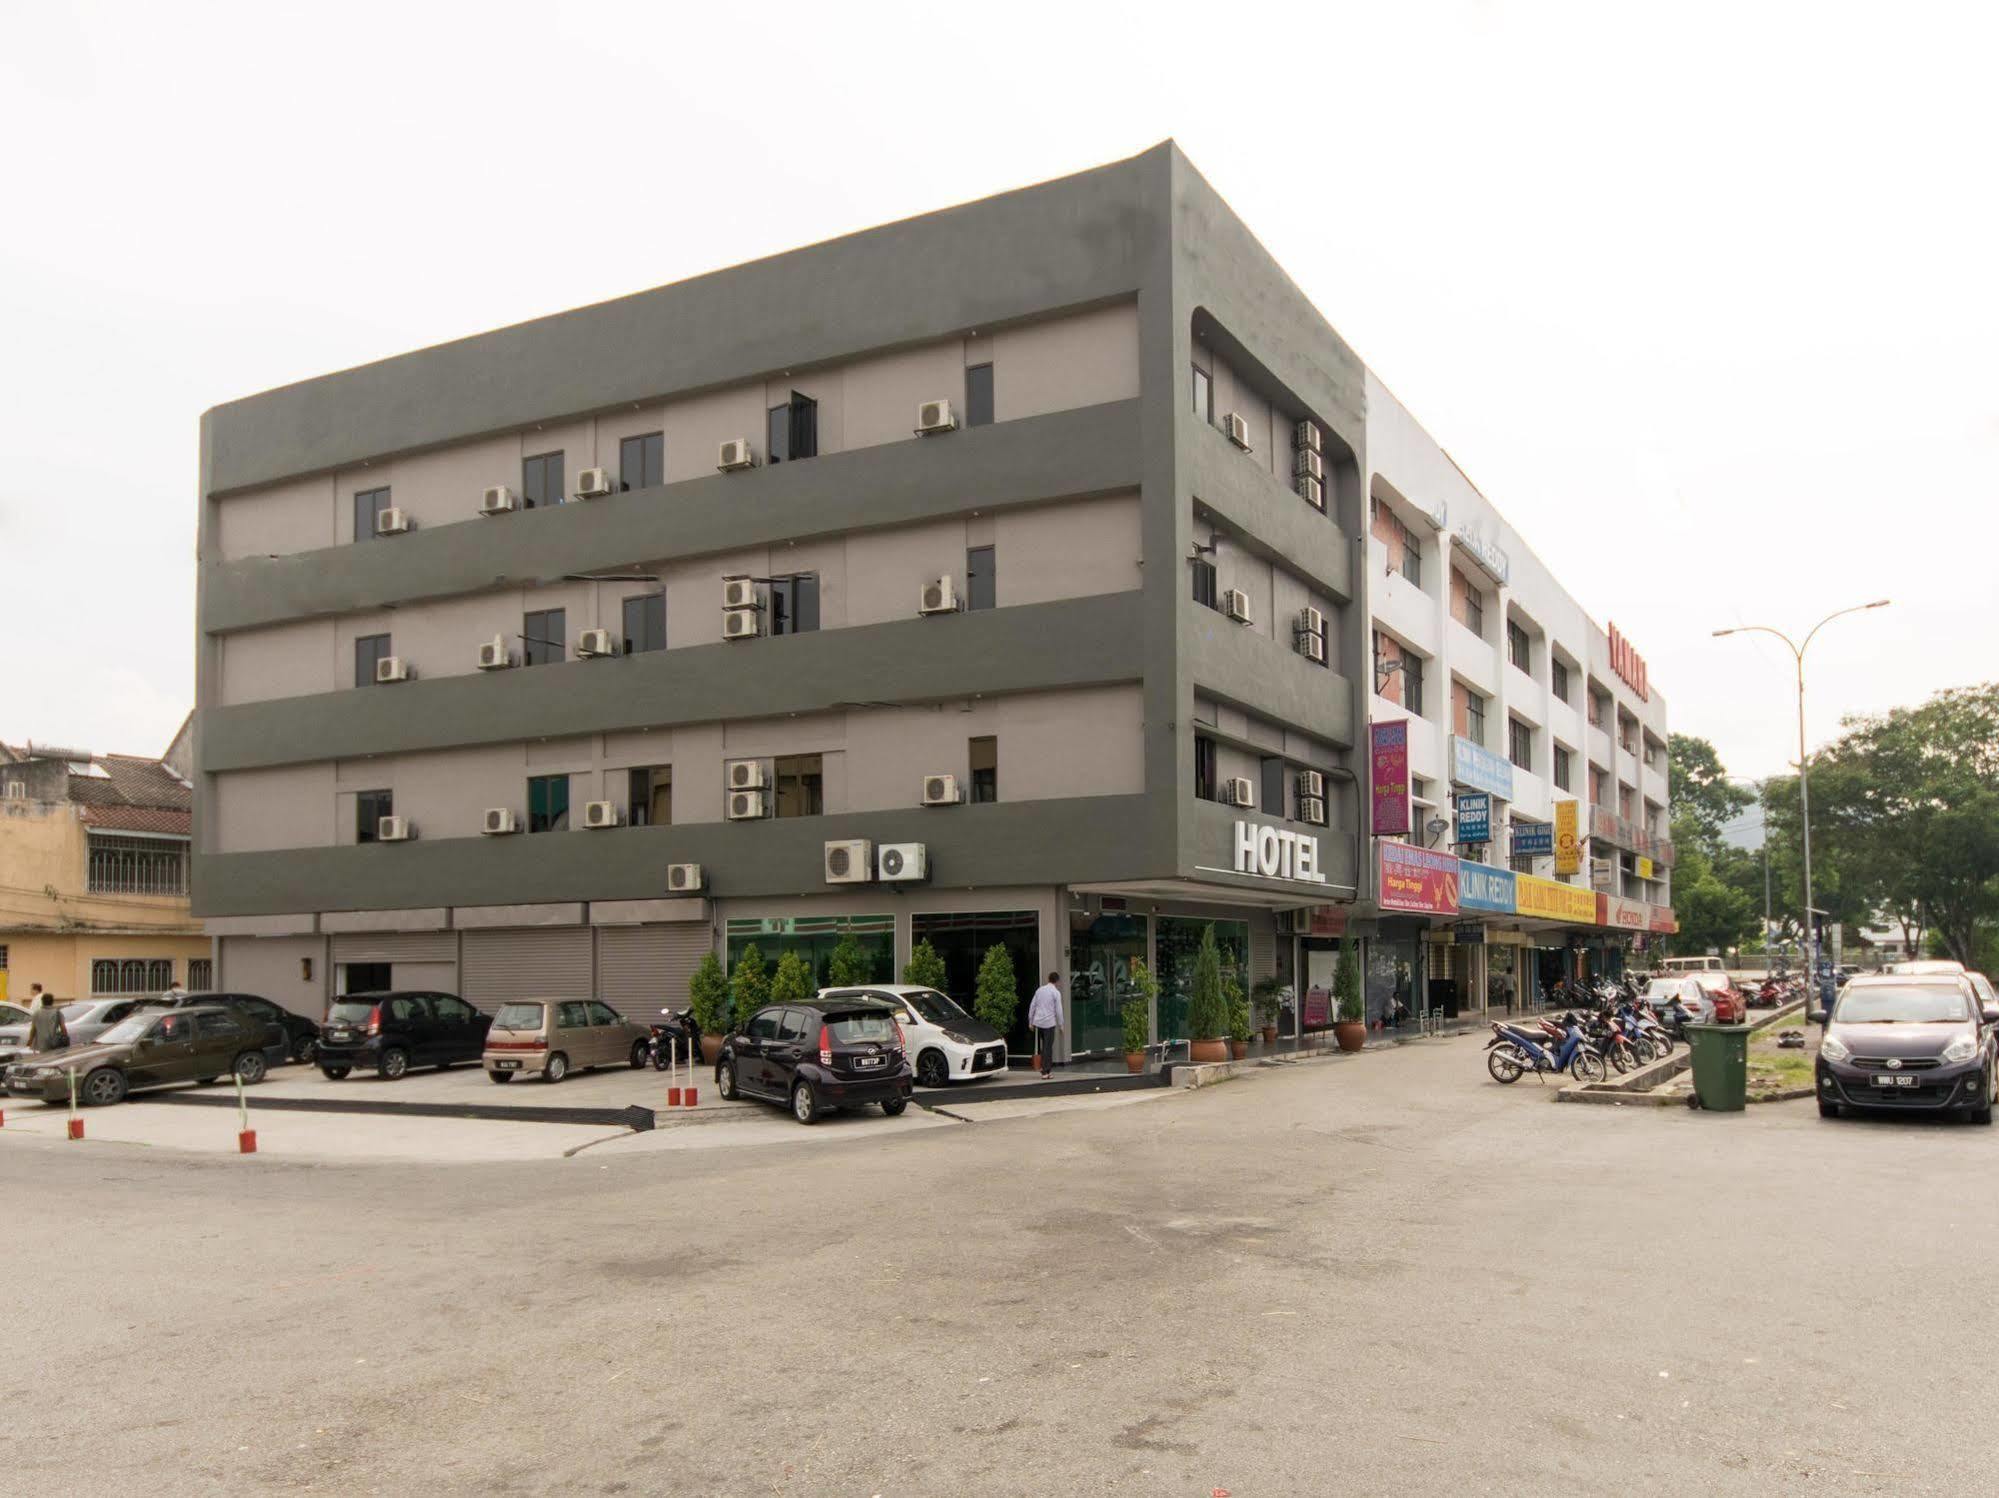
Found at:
[1370, 1275]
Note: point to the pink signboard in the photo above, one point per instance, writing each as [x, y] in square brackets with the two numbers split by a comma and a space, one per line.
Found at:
[1418, 879]
[1318, 1008]
[1389, 749]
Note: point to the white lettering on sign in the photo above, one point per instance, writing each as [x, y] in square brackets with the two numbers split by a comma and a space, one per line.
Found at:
[1277, 853]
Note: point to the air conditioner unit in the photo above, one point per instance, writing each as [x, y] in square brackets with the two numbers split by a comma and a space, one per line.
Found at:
[392, 522]
[850, 862]
[1235, 603]
[393, 830]
[601, 814]
[1312, 809]
[740, 624]
[935, 416]
[739, 593]
[1311, 621]
[1237, 430]
[735, 453]
[596, 642]
[746, 775]
[1311, 490]
[745, 806]
[500, 820]
[497, 500]
[494, 655]
[392, 668]
[941, 790]
[902, 862]
[1305, 437]
[1240, 791]
[1311, 785]
[594, 483]
[1312, 647]
[1308, 464]
[940, 597]
[683, 878]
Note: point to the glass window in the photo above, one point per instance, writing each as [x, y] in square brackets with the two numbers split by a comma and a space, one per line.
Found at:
[135, 865]
[1562, 768]
[572, 1015]
[979, 395]
[1412, 554]
[1204, 396]
[1518, 648]
[519, 1016]
[451, 1008]
[642, 461]
[369, 650]
[985, 769]
[1412, 682]
[214, 1024]
[1475, 718]
[368, 506]
[1204, 769]
[200, 973]
[793, 431]
[791, 1025]
[649, 796]
[963, 938]
[813, 938]
[980, 585]
[1271, 791]
[1520, 743]
[1102, 949]
[794, 604]
[548, 803]
[369, 809]
[645, 623]
[1393, 980]
[1179, 942]
[541, 480]
[602, 1014]
[1558, 680]
[542, 632]
[764, 1023]
[1205, 587]
[800, 783]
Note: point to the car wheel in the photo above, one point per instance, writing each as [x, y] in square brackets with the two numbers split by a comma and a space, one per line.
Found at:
[725, 1081]
[893, 1106]
[395, 1063]
[1828, 1110]
[638, 1055]
[305, 1050]
[251, 1068]
[932, 1070]
[103, 1087]
[334, 1073]
[500, 1076]
[804, 1103]
[557, 1067]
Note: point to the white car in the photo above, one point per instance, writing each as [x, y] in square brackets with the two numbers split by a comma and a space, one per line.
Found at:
[1695, 999]
[1926, 967]
[943, 1042]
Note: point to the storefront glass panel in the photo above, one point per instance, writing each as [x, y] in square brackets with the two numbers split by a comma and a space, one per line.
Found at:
[962, 939]
[814, 938]
[1502, 977]
[1395, 963]
[1179, 941]
[1101, 951]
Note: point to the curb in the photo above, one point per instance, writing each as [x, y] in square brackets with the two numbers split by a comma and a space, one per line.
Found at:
[635, 1118]
[1206, 1074]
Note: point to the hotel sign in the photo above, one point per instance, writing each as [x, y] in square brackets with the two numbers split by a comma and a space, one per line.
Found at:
[1276, 853]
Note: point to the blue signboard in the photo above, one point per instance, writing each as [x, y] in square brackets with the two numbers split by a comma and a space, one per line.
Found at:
[1533, 839]
[1474, 817]
[1480, 768]
[1483, 888]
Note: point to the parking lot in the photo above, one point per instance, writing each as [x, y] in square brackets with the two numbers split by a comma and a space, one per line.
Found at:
[1365, 1274]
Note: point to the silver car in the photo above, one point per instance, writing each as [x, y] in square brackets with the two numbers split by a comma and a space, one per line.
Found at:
[86, 1019]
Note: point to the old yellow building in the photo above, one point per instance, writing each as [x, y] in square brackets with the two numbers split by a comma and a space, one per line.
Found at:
[93, 873]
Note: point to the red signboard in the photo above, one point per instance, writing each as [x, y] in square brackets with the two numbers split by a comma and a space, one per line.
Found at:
[1389, 745]
[1418, 879]
[1318, 1008]
[1663, 919]
[1628, 664]
[1326, 920]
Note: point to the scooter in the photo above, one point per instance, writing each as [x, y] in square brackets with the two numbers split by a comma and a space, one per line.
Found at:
[1513, 1052]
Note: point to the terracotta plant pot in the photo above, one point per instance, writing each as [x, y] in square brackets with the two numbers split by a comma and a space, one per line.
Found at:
[1134, 1061]
[711, 1049]
[1201, 1052]
[1270, 1035]
[1238, 1049]
[1351, 1034]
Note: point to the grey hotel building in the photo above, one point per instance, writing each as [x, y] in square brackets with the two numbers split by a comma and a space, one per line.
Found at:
[987, 578]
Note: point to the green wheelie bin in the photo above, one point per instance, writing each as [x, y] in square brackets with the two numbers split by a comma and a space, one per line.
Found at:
[1721, 1066]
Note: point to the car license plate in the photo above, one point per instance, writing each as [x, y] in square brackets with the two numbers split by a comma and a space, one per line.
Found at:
[339, 1034]
[506, 1066]
[869, 1060]
[1885, 1081]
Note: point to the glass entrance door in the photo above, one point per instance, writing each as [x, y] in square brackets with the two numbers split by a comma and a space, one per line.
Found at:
[1101, 951]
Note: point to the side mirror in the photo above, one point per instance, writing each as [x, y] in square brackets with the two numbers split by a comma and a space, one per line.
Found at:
[1816, 1016]
[1989, 1014]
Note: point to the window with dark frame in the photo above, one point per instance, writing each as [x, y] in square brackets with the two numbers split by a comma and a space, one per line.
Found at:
[793, 431]
[794, 604]
[1519, 649]
[1475, 718]
[985, 768]
[800, 785]
[1520, 743]
[1558, 680]
[1206, 583]
[200, 974]
[1271, 791]
[542, 632]
[548, 803]
[645, 623]
[1204, 396]
[368, 507]
[980, 583]
[541, 480]
[1204, 769]
[642, 461]
[135, 865]
[1412, 682]
[649, 802]
[369, 809]
[369, 652]
[1562, 769]
[979, 395]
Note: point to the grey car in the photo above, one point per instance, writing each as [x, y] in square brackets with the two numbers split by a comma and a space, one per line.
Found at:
[87, 1019]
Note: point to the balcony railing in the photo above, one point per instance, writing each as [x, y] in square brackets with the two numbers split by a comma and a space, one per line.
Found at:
[1608, 825]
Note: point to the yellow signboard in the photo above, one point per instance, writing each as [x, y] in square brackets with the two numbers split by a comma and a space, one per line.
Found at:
[1552, 900]
[1568, 839]
[1644, 868]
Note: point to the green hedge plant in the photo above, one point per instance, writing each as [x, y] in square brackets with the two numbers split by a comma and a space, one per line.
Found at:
[924, 967]
[850, 964]
[1136, 1011]
[708, 996]
[749, 984]
[1238, 1008]
[792, 983]
[997, 998]
[1346, 984]
[1207, 1006]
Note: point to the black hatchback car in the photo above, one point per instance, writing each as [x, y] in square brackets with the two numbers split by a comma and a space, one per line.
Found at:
[300, 1033]
[816, 1056]
[393, 1032]
[1910, 1045]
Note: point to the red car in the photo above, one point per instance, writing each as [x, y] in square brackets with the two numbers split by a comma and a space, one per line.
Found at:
[1731, 1007]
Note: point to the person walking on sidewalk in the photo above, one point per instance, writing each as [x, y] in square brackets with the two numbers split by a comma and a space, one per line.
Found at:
[1044, 1017]
[46, 1030]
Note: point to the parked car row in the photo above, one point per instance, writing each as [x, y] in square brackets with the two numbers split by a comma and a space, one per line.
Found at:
[150, 1047]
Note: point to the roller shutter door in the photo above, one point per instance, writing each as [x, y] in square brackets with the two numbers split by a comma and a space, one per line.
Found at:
[396, 946]
[643, 969]
[1262, 945]
[545, 962]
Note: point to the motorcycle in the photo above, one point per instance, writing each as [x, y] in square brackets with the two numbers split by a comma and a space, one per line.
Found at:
[1513, 1052]
[678, 1041]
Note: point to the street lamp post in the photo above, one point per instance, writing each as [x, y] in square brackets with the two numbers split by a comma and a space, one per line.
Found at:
[1804, 775]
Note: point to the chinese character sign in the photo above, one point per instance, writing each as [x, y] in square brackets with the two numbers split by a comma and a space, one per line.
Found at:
[1389, 748]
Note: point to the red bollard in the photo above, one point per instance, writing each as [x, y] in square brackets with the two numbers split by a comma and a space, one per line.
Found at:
[76, 1128]
[3, 1118]
[673, 1097]
[687, 1098]
[246, 1141]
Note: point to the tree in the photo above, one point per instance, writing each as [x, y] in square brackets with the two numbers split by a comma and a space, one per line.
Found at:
[1207, 1006]
[1346, 984]
[997, 997]
[749, 985]
[1236, 1002]
[708, 996]
[924, 966]
[850, 963]
[793, 981]
[1711, 913]
[1704, 799]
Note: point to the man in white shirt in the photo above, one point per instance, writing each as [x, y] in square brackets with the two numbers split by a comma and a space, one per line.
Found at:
[1044, 1017]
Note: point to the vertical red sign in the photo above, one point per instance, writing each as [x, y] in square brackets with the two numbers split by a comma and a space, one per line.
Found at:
[1388, 744]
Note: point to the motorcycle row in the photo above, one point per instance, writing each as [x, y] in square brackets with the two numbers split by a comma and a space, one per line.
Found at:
[1607, 1026]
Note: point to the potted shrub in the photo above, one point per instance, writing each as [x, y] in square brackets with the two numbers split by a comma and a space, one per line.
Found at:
[1349, 1029]
[792, 983]
[1207, 1008]
[996, 997]
[749, 985]
[708, 998]
[849, 964]
[924, 967]
[1238, 1005]
[1267, 998]
[1136, 1012]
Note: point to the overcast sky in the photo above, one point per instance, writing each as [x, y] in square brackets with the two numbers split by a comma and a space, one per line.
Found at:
[1702, 298]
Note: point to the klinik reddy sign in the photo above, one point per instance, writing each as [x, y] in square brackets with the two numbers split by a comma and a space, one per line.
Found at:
[1276, 853]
